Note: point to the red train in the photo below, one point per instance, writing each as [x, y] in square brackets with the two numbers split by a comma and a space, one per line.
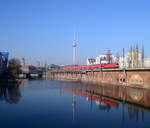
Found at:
[90, 67]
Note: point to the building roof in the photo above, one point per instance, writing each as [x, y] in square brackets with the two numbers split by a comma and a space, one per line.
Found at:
[24, 67]
[107, 54]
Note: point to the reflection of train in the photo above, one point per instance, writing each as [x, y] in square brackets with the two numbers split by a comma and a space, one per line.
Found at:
[93, 97]
[90, 67]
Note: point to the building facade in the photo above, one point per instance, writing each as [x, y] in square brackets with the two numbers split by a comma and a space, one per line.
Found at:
[102, 59]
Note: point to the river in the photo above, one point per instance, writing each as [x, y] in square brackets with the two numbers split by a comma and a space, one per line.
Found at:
[59, 104]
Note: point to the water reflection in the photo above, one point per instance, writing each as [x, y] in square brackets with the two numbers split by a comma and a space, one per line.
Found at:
[135, 113]
[101, 102]
[102, 106]
[80, 103]
[10, 94]
[108, 97]
[138, 96]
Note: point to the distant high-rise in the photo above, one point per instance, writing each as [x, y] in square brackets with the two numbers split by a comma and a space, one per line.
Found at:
[74, 48]
[23, 61]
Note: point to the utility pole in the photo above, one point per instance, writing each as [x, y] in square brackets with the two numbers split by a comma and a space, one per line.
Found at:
[74, 49]
[131, 54]
[143, 55]
[45, 65]
[123, 58]
[137, 56]
[134, 56]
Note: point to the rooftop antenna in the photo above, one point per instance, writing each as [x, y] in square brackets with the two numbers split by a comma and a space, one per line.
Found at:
[74, 48]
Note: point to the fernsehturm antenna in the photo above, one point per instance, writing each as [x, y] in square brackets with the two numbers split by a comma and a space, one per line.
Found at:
[74, 48]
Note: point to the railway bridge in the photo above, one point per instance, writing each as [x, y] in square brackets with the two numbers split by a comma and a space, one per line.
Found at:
[137, 77]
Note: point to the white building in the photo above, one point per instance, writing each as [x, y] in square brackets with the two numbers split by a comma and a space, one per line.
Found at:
[102, 59]
[146, 62]
[130, 60]
[133, 60]
[91, 61]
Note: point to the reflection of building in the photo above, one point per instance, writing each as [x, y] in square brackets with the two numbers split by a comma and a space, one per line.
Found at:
[135, 113]
[24, 81]
[103, 106]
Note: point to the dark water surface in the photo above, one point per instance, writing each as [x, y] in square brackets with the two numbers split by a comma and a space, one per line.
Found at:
[55, 104]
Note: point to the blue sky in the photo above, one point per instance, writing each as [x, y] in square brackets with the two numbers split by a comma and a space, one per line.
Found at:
[43, 29]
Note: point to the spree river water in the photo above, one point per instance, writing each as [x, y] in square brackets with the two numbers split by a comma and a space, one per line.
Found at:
[58, 104]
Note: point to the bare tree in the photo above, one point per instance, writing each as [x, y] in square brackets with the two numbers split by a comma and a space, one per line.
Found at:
[14, 67]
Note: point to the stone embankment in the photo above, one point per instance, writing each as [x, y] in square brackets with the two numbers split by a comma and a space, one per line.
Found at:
[129, 77]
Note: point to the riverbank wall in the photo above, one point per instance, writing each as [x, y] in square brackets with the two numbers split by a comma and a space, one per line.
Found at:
[126, 77]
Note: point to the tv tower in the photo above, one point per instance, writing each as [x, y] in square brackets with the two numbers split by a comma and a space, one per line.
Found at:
[74, 48]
